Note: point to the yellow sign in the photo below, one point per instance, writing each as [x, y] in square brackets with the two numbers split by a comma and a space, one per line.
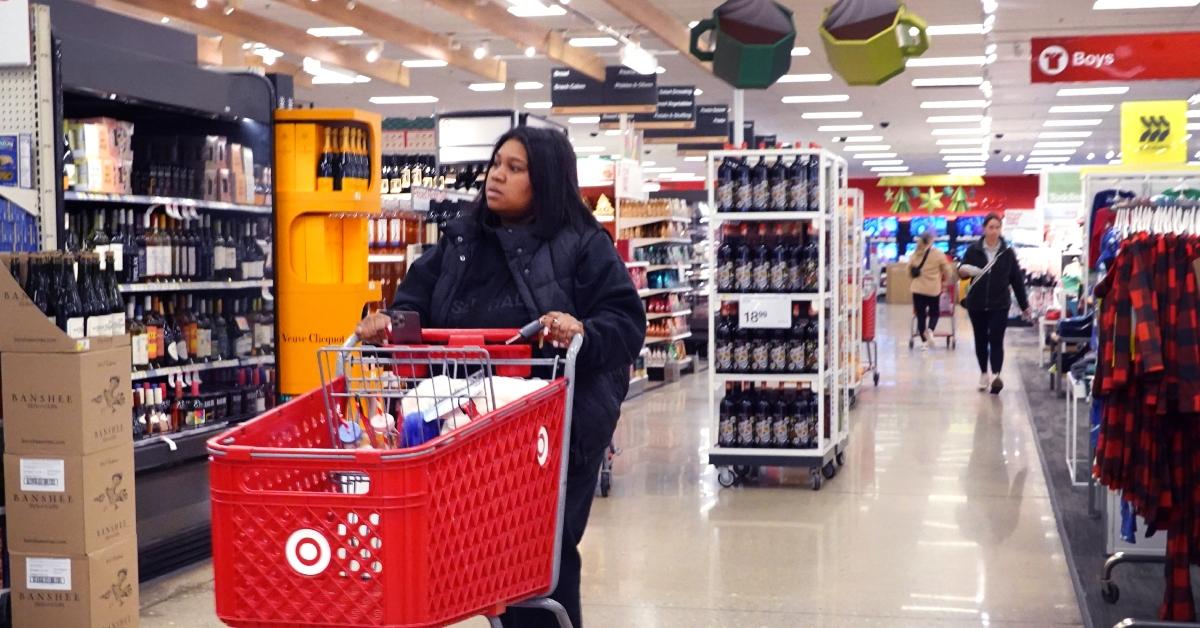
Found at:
[1154, 132]
[938, 180]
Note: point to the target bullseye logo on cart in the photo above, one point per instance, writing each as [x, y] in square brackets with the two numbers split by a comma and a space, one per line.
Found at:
[307, 552]
[543, 446]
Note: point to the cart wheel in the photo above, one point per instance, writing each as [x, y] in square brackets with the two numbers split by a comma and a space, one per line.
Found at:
[877, 379]
[726, 477]
[841, 458]
[949, 341]
[910, 342]
[814, 479]
[605, 483]
[829, 470]
[1109, 592]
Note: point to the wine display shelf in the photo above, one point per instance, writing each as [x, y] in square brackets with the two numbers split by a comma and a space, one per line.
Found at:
[202, 366]
[193, 286]
[133, 199]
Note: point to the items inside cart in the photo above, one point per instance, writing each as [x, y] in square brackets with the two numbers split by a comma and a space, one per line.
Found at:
[420, 485]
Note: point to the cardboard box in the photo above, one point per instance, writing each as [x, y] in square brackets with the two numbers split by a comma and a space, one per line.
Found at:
[899, 284]
[66, 404]
[26, 329]
[71, 504]
[96, 590]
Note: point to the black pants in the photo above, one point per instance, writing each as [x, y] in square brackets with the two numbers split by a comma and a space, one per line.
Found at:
[582, 475]
[926, 308]
[989, 327]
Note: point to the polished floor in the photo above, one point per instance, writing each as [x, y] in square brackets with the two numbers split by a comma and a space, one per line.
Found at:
[939, 518]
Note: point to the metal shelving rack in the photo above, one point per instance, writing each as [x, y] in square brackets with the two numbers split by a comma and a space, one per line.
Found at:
[829, 382]
[852, 249]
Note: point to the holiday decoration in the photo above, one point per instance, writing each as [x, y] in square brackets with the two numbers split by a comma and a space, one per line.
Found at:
[958, 202]
[900, 204]
[931, 201]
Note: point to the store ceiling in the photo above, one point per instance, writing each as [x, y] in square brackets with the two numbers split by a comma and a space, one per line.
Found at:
[1018, 109]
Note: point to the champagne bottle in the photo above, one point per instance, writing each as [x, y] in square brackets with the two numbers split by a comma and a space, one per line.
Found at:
[325, 167]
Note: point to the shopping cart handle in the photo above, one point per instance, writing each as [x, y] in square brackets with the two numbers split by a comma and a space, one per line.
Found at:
[350, 342]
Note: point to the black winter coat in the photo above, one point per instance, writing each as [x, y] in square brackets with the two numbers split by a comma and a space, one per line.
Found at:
[990, 291]
[577, 272]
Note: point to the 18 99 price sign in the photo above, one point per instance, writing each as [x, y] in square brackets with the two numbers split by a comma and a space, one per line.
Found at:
[765, 313]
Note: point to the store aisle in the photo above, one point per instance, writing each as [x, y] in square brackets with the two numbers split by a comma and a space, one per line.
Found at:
[940, 518]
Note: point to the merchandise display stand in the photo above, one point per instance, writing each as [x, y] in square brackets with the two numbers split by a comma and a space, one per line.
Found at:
[851, 249]
[783, 438]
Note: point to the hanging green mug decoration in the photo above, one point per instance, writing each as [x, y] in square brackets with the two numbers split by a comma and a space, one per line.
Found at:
[901, 204]
[869, 42]
[752, 42]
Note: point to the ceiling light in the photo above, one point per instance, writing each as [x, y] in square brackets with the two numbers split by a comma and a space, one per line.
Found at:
[968, 131]
[1047, 152]
[1110, 154]
[351, 5]
[536, 9]
[486, 87]
[1058, 145]
[1193, 113]
[858, 139]
[424, 63]
[647, 164]
[1075, 122]
[942, 62]
[332, 31]
[1093, 91]
[584, 119]
[883, 162]
[874, 155]
[522, 86]
[889, 169]
[871, 148]
[955, 104]
[698, 92]
[660, 169]
[1021, 157]
[374, 53]
[801, 51]
[968, 172]
[693, 23]
[1115, 162]
[960, 151]
[954, 29]
[990, 50]
[1081, 108]
[1051, 135]
[1049, 160]
[991, 59]
[338, 79]
[1195, 126]
[986, 88]
[954, 119]
[800, 100]
[638, 59]
[590, 149]
[695, 158]
[613, 132]
[200, 4]
[948, 81]
[229, 8]
[403, 100]
[805, 78]
[845, 128]
[831, 115]
[481, 50]
[530, 51]
[1091, 156]
[961, 141]
[592, 42]
[889, 175]
[1111, 5]
[1007, 158]
[542, 104]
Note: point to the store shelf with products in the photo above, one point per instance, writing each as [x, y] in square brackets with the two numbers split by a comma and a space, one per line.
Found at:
[777, 344]
[132, 199]
[672, 338]
[194, 286]
[653, 316]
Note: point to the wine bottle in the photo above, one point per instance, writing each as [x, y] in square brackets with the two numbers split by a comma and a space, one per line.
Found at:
[204, 344]
[220, 333]
[69, 301]
[325, 166]
[341, 160]
[154, 332]
[138, 338]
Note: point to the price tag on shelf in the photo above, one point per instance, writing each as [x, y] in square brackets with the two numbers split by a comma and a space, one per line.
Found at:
[765, 312]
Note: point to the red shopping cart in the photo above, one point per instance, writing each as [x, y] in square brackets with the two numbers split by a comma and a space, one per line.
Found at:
[306, 533]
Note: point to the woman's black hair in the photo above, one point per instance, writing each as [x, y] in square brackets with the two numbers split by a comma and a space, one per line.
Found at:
[993, 216]
[557, 203]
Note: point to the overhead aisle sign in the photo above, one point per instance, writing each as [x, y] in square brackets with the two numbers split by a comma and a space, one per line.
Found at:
[1130, 57]
[1154, 132]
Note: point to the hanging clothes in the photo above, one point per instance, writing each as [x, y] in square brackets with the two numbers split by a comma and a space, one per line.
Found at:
[1148, 380]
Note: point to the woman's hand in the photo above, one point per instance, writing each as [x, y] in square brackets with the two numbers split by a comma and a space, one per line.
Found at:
[560, 328]
[374, 329]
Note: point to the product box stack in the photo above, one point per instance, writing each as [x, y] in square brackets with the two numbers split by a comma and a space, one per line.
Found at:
[68, 470]
[228, 171]
[102, 149]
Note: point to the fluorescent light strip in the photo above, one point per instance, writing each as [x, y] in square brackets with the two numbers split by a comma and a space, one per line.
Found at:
[800, 100]
[584, 119]
[954, 29]
[1049, 152]
[970, 131]
[695, 158]
[424, 63]
[590, 149]
[1193, 113]
[805, 78]
[960, 151]
[858, 139]
[874, 155]
[1081, 108]
[1093, 91]
[403, 100]
[955, 104]
[845, 128]
[954, 119]
[1112, 5]
[660, 169]
[870, 148]
[888, 175]
[948, 81]
[537, 10]
[527, 85]
[335, 31]
[831, 115]
[890, 169]
[962, 141]
[1195, 126]
[969, 172]
[942, 62]
[801, 51]
[1075, 122]
[486, 87]
[592, 42]
[884, 162]
[1049, 160]
[541, 104]
[1056, 135]
[1058, 144]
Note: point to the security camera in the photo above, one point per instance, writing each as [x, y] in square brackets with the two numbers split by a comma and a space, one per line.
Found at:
[999, 136]
[885, 124]
[995, 151]
[594, 133]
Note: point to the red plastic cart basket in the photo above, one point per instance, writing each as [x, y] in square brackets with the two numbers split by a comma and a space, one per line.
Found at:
[305, 534]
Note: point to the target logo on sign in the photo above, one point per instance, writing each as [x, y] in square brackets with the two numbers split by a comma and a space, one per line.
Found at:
[307, 552]
[543, 446]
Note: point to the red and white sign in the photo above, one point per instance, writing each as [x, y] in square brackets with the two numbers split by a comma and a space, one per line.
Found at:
[1139, 57]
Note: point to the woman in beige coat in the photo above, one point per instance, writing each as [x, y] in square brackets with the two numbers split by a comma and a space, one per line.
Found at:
[930, 270]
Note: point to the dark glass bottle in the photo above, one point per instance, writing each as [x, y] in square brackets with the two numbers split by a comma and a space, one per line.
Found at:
[797, 176]
[761, 269]
[778, 183]
[763, 410]
[743, 191]
[760, 186]
[726, 262]
[727, 418]
[743, 269]
[811, 269]
[745, 418]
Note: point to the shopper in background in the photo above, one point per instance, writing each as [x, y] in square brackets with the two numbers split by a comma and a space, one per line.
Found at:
[532, 249]
[993, 269]
[930, 271]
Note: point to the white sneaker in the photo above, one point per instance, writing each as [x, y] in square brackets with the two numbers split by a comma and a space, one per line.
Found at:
[928, 336]
[985, 381]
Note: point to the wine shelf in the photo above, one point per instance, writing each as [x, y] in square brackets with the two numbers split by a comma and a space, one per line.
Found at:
[193, 286]
[131, 199]
[201, 367]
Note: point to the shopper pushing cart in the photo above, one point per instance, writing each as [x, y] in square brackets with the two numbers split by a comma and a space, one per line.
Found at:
[931, 274]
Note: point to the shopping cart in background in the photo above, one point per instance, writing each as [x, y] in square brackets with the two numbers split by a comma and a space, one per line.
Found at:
[309, 533]
[947, 301]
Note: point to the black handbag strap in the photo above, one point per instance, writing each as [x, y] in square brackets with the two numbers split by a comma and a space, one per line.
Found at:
[923, 259]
